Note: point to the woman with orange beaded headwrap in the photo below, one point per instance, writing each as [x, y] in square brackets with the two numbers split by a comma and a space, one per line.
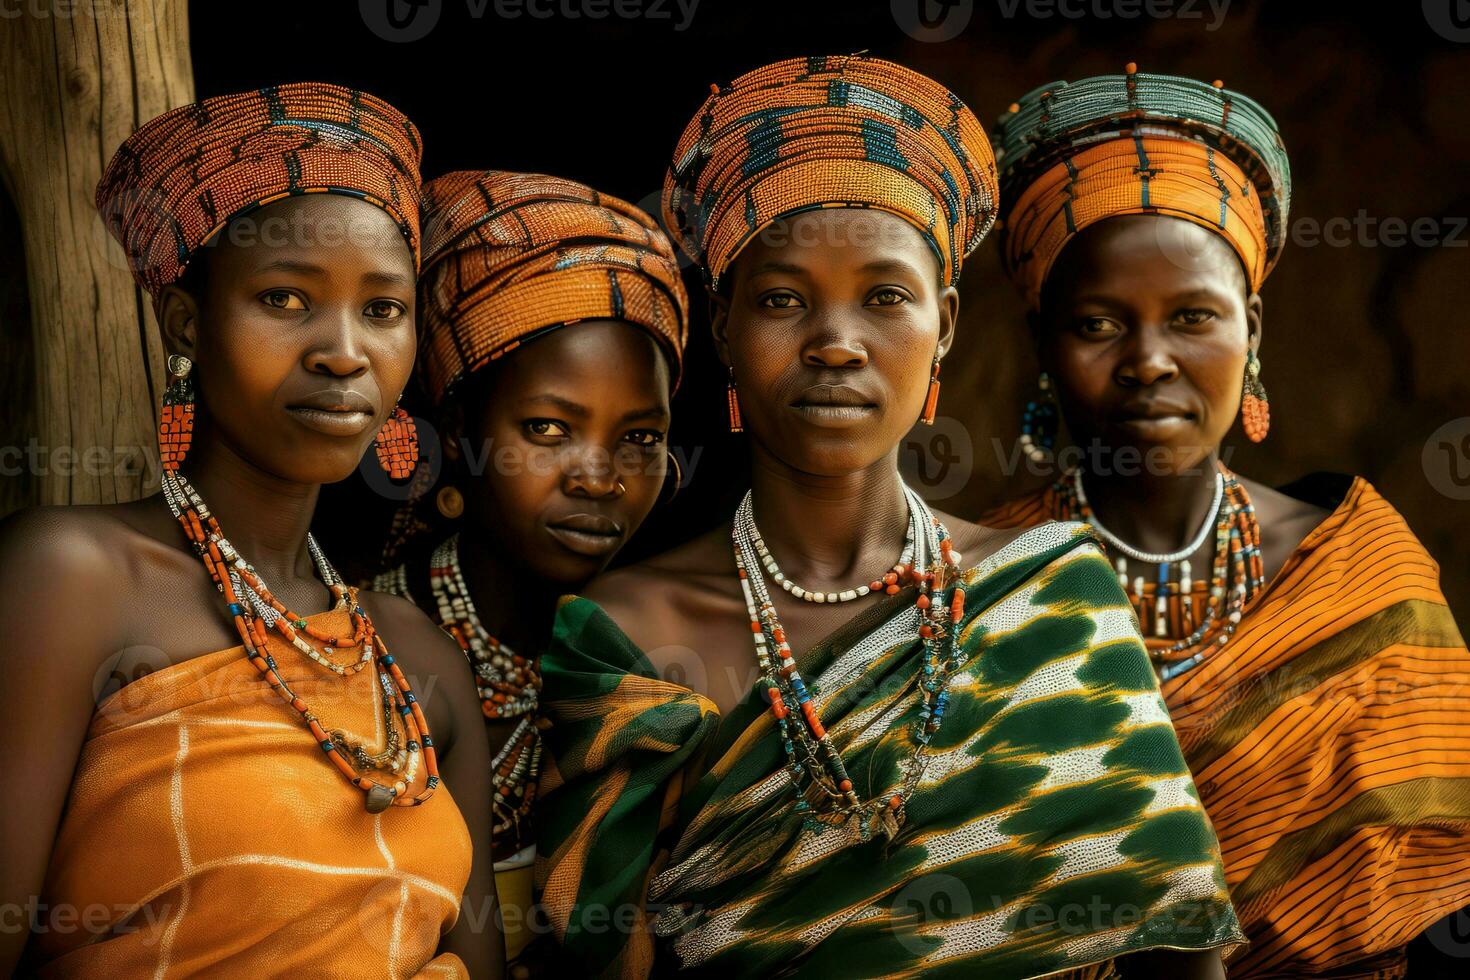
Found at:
[233, 779]
[552, 329]
[972, 774]
[1312, 668]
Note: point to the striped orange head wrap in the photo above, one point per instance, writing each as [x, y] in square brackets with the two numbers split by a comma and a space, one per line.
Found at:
[838, 131]
[508, 255]
[1075, 153]
[186, 174]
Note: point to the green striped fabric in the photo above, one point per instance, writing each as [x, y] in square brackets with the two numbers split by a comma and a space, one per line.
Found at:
[1055, 824]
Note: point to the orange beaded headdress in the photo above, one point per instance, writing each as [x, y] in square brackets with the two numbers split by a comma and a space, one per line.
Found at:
[837, 131]
[508, 255]
[1075, 153]
[186, 174]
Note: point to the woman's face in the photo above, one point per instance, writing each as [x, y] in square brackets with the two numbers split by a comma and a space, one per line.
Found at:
[303, 336]
[831, 325]
[1144, 324]
[567, 448]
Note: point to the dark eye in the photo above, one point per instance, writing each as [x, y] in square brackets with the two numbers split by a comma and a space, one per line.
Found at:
[1097, 326]
[780, 301]
[283, 299]
[384, 309]
[545, 428]
[645, 437]
[887, 297]
[1195, 317]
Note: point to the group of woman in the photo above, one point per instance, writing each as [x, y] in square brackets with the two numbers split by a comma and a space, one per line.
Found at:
[1145, 723]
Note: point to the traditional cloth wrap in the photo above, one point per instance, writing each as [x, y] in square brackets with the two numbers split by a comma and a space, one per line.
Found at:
[186, 174]
[836, 131]
[1072, 154]
[507, 255]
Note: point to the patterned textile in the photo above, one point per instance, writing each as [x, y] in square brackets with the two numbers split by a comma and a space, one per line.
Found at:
[508, 255]
[1075, 153]
[204, 826]
[1329, 742]
[1055, 826]
[185, 175]
[837, 131]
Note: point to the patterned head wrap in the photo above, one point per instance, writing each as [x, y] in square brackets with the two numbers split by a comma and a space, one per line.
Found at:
[509, 255]
[1075, 153]
[186, 174]
[838, 131]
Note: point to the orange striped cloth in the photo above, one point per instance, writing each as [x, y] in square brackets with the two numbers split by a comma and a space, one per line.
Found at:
[508, 255]
[204, 835]
[1330, 741]
[184, 175]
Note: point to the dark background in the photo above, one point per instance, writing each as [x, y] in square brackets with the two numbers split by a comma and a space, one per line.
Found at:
[1365, 350]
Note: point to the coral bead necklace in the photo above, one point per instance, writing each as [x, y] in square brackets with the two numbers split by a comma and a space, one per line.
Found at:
[825, 793]
[254, 611]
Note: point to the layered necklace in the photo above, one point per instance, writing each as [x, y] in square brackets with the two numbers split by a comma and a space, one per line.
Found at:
[255, 611]
[1183, 618]
[508, 686]
[825, 794]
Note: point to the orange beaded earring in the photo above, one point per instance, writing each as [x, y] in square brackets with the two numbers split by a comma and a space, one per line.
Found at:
[1255, 410]
[176, 421]
[735, 423]
[931, 400]
[397, 444]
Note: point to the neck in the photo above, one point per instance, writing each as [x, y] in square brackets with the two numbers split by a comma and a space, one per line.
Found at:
[1158, 512]
[830, 531]
[265, 517]
[514, 607]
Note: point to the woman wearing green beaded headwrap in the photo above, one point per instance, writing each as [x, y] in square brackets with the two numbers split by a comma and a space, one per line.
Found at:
[1145, 213]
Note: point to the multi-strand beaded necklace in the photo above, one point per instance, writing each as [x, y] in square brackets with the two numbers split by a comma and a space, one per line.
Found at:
[255, 610]
[825, 793]
[1179, 614]
[508, 685]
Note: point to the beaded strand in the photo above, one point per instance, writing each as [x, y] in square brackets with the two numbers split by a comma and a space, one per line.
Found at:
[233, 575]
[824, 789]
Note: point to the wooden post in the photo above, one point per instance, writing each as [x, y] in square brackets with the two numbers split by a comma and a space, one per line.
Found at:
[76, 78]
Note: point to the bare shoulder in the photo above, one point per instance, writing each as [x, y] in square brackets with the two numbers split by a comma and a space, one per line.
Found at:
[57, 549]
[976, 542]
[655, 600]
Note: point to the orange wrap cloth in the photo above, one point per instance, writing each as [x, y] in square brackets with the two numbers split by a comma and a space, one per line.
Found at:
[203, 836]
[836, 131]
[1137, 175]
[1072, 154]
[507, 255]
[184, 175]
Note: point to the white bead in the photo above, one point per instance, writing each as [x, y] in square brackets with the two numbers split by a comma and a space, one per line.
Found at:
[818, 596]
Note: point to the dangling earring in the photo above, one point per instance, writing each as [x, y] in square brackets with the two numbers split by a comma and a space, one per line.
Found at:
[1039, 421]
[1255, 410]
[176, 421]
[449, 501]
[931, 400]
[678, 476]
[397, 443]
[735, 423]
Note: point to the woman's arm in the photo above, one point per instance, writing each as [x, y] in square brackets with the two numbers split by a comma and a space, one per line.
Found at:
[54, 624]
[438, 670]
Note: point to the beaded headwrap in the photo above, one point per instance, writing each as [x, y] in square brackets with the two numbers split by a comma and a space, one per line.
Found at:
[837, 131]
[183, 176]
[508, 255]
[1072, 154]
